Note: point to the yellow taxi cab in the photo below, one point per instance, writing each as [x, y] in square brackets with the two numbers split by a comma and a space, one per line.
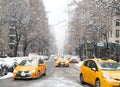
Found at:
[61, 61]
[100, 72]
[30, 68]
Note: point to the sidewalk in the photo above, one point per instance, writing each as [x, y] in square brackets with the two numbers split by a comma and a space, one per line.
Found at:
[9, 75]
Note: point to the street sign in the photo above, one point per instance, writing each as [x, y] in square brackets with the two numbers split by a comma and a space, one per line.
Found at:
[100, 44]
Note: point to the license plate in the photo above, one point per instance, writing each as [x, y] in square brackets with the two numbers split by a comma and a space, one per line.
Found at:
[22, 74]
[62, 63]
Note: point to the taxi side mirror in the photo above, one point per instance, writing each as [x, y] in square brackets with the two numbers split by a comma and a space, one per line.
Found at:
[94, 69]
[55, 59]
[40, 64]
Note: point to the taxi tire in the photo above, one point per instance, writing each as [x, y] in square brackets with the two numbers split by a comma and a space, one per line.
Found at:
[97, 83]
[44, 73]
[68, 65]
[81, 79]
[15, 78]
[39, 74]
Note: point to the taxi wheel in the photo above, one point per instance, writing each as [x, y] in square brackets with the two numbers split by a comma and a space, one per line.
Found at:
[97, 83]
[44, 73]
[38, 74]
[81, 79]
[15, 78]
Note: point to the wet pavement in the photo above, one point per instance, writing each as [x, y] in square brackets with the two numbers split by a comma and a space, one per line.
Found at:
[55, 77]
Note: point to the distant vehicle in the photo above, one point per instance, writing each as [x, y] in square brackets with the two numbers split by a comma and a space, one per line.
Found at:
[30, 68]
[45, 57]
[3, 68]
[74, 59]
[61, 61]
[100, 72]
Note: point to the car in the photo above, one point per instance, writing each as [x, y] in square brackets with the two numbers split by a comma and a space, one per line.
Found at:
[44, 57]
[3, 68]
[100, 72]
[30, 68]
[61, 61]
[74, 59]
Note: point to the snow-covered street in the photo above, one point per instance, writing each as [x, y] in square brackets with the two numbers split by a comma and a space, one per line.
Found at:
[56, 82]
[56, 77]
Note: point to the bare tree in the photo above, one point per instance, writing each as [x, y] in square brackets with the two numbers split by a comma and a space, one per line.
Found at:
[90, 23]
[16, 14]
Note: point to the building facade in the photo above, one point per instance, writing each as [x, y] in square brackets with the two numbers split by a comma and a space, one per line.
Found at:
[114, 34]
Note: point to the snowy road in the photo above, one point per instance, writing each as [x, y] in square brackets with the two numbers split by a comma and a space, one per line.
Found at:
[56, 77]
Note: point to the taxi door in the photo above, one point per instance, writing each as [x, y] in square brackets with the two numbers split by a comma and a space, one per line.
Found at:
[41, 66]
[86, 71]
[92, 72]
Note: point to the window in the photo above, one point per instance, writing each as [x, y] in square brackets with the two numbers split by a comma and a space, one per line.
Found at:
[11, 47]
[87, 63]
[118, 22]
[12, 39]
[12, 32]
[117, 33]
[41, 61]
[110, 33]
[90, 64]
[117, 41]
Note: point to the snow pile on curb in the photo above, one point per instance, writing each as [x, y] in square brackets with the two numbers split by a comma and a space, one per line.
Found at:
[9, 75]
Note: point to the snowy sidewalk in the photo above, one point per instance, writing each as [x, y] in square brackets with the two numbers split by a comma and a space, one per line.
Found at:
[9, 75]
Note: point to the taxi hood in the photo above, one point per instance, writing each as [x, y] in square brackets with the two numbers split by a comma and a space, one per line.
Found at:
[25, 68]
[113, 74]
[62, 60]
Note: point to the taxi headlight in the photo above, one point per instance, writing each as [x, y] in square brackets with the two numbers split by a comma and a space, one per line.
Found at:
[67, 62]
[15, 71]
[57, 62]
[32, 71]
[106, 76]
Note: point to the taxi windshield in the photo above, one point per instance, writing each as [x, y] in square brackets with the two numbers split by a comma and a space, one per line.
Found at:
[109, 66]
[28, 63]
[62, 58]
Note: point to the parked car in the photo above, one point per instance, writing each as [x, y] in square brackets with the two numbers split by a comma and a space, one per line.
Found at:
[30, 68]
[44, 57]
[11, 63]
[3, 68]
[74, 59]
[100, 72]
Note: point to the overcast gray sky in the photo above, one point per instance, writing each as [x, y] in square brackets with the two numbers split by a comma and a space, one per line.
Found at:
[57, 15]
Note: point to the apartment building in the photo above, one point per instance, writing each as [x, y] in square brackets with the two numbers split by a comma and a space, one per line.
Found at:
[12, 40]
[114, 34]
